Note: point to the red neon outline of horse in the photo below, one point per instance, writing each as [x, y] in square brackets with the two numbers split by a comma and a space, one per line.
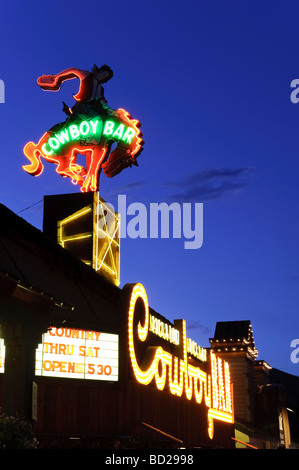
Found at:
[97, 156]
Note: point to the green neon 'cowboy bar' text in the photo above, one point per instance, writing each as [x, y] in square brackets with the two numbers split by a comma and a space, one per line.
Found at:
[89, 128]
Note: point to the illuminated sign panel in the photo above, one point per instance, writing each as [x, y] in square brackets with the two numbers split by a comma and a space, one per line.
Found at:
[171, 334]
[176, 373]
[2, 355]
[81, 354]
[164, 330]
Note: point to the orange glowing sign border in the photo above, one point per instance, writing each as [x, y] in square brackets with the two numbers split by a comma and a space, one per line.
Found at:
[96, 152]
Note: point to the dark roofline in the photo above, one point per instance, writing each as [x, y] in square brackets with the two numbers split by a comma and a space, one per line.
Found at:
[233, 329]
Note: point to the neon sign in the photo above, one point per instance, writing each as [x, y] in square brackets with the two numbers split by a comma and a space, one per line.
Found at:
[164, 330]
[75, 354]
[90, 130]
[177, 373]
[171, 334]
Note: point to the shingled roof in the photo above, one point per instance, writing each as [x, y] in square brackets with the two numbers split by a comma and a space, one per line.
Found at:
[233, 329]
[234, 336]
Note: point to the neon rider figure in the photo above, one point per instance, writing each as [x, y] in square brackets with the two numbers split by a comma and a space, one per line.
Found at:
[91, 92]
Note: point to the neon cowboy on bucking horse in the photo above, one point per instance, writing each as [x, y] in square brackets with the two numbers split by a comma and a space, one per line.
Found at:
[60, 147]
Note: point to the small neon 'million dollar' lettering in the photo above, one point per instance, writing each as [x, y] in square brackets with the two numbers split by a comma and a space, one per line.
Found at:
[92, 138]
[167, 332]
[196, 350]
[164, 330]
[214, 388]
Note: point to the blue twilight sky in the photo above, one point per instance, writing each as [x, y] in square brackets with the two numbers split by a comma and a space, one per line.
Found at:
[210, 82]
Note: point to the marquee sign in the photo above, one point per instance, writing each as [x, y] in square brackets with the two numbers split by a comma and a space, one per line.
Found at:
[176, 373]
[171, 334]
[81, 354]
[75, 354]
[90, 130]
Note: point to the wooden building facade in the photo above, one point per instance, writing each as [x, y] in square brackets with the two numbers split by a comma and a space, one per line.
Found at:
[42, 286]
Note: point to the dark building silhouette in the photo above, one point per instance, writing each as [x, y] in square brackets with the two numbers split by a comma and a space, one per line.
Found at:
[43, 285]
[260, 399]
